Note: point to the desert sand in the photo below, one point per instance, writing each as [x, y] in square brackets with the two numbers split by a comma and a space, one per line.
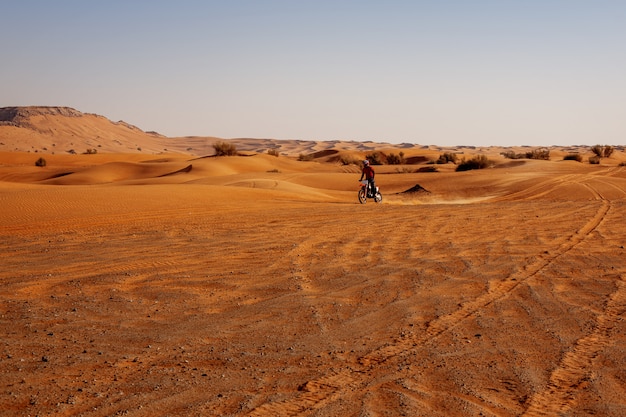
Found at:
[176, 283]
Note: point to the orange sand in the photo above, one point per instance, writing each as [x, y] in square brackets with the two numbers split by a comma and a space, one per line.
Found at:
[259, 286]
[145, 285]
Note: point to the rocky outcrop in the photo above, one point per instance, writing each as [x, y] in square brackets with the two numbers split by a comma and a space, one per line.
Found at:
[19, 116]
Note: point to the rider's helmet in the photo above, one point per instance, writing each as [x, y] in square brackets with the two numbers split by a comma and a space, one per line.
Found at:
[366, 162]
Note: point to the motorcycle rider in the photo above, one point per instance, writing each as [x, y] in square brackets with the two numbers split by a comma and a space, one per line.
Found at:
[368, 173]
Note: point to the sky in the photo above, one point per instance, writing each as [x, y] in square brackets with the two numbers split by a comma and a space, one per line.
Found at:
[438, 72]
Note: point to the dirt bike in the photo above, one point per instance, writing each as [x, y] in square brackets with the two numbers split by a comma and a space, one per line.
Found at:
[364, 193]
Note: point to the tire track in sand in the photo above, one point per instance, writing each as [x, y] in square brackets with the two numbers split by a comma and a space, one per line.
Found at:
[540, 189]
[355, 377]
[574, 370]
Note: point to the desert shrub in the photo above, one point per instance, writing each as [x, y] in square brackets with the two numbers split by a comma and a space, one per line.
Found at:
[573, 157]
[393, 159]
[477, 162]
[91, 151]
[349, 160]
[375, 158]
[597, 149]
[40, 162]
[602, 151]
[541, 153]
[224, 149]
[622, 164]
[446, 157]
[273, 152]
[305, 157]
[594, 159]
[427, 169]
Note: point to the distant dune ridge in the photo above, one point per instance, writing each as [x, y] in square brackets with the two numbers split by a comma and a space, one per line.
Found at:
[45, 129]
[58, 130]
[122, 152]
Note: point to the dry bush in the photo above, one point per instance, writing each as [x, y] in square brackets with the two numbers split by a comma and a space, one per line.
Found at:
[594, 159]
[446, 157]
[393, 159]
[597, 149]
[573, 157]
[602, 151]
[305, 157]
[224, 149]
[349, 160]
[477, 162]
[41, 162]
[541, 153]
[375, 158]
[273, 152]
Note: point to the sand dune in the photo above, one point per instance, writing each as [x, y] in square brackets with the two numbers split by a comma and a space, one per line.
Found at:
[182, 284]
[117, 171]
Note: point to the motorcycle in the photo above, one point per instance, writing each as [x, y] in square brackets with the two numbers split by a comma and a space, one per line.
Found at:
[365, 193]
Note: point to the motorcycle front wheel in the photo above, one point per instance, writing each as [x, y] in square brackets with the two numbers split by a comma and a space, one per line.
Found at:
[378, 198]
[362, 196]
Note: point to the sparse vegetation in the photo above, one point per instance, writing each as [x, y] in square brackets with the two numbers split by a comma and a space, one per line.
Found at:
[273, 152]
[446, 157]
[477, 162]
[594, 160]
[602, 151]
[91, 151]
[541, 153]
[349, 160]
[393, 159]
[573, 157]
[375, 158]
[41, 162]
[224, 149]
[305, 157]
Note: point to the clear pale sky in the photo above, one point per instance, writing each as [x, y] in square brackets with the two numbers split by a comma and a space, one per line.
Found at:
[442, 72]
